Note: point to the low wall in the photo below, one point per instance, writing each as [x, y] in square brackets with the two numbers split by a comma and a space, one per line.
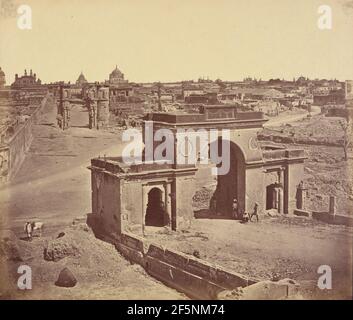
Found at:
[197, 278]
[14, 152]
[326, 217]
[300, 140]
[333, 219]
[194, 277]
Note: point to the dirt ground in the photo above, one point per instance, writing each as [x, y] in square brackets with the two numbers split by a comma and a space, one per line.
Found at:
[326, 171]
[274, 248]
[101, 272]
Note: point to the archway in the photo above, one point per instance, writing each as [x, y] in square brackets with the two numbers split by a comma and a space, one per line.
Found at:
[230, 186]
[156, 214]
[273, 197]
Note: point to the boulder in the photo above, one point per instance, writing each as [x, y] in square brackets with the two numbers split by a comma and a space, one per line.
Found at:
[60, 248]
[271, 290]
[66, 279]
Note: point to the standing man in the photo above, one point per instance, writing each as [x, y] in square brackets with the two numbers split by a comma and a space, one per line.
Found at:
[255, 213]
[235, 208]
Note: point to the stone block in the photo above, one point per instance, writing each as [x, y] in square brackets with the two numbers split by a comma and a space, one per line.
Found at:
[156, 251]
[230, 280]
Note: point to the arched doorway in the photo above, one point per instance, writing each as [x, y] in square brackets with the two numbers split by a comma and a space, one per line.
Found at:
[273, 197]
[156, 214]
[230, 186]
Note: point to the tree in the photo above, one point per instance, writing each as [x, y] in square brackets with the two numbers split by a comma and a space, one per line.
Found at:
[346, 126]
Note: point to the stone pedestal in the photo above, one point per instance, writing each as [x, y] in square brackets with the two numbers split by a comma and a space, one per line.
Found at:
[301, 196]
[332, 205]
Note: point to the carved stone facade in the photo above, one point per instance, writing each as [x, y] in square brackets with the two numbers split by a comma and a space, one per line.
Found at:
[125, 195]
[96, 99]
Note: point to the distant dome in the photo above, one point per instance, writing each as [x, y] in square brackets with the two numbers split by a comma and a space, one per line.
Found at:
[81, 79]
[2, 72]
[116, 77]
[116, 72]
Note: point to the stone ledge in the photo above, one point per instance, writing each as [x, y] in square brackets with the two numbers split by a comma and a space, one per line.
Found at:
[333, 219]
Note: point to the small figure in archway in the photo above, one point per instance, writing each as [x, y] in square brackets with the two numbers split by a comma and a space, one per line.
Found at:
[235, 208]
[59, 119]
[213, 205]
[255, 213]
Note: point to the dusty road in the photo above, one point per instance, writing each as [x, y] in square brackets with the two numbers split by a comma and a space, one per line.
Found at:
[53, 183]
[290, 117]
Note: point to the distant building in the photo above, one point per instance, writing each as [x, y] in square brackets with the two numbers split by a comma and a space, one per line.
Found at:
[253, 94]
[2, 79]
[81, 80]
[26, 81]
[192, 90]
[332, 98]
[117, 77]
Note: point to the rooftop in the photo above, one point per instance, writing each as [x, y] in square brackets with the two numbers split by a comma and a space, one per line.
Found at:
[207, 114]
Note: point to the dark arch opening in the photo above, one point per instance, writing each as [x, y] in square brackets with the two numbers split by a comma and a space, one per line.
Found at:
[230, 186]
[273, 196]
[156, 214]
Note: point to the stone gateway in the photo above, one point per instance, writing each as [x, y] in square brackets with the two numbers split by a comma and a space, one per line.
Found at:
[159, 193]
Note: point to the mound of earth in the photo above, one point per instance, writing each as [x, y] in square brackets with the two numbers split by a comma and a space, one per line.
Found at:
[100, 271]
[9, 249]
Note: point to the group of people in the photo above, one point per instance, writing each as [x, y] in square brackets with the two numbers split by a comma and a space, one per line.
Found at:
[244, 216]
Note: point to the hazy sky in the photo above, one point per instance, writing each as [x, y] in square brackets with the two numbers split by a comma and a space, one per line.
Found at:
[164, 40]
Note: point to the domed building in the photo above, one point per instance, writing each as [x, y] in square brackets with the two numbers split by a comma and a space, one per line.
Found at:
[2, 79]
[116, 77]
[81, 80]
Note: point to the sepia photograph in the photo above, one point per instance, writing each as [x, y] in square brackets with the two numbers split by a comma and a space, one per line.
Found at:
[176, 150]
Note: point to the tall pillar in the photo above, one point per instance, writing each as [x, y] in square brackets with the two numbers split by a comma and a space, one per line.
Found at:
[94, 113]
[168, 204]
[286, 191]
[103, 107]
[173, 205]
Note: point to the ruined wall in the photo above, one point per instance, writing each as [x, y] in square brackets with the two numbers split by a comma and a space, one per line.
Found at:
[197, 278]
[292, 177]
[20, 142]
[18, 146]
[106, 201]
[184, 190]
[4, 164]
[255, 189]
[131, 201]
